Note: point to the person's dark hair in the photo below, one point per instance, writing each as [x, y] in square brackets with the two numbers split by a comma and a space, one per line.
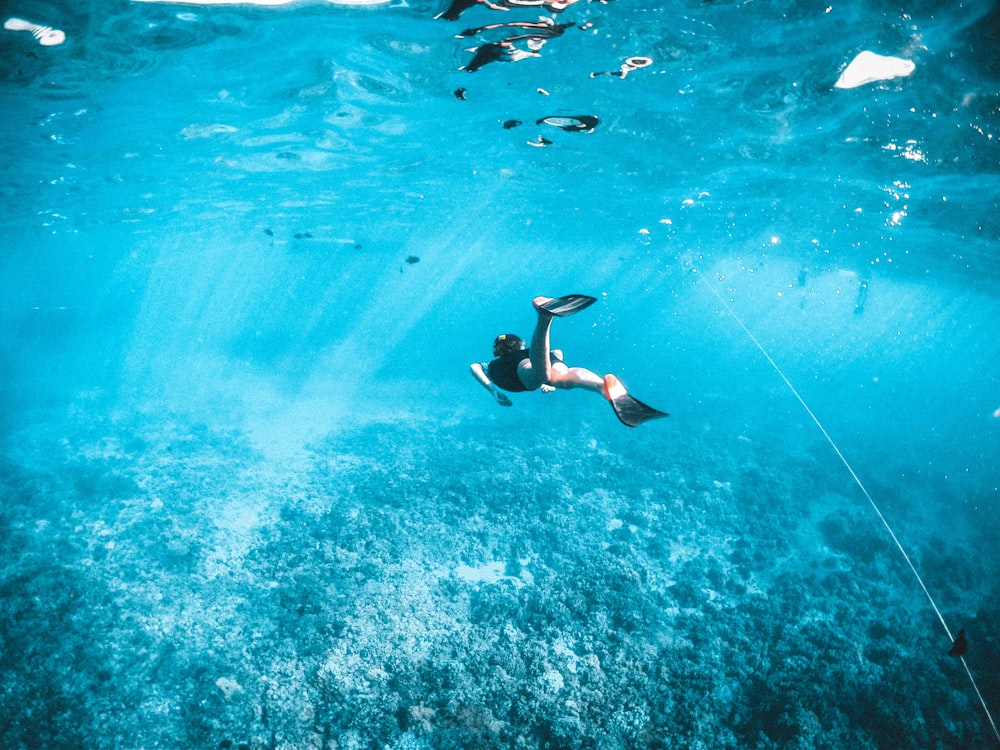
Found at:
[506, 343]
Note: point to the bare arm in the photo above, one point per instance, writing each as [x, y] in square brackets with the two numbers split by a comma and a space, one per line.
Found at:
[481, 377]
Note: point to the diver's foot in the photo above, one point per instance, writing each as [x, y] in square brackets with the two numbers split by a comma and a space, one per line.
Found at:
[540, 303]
[613, 388]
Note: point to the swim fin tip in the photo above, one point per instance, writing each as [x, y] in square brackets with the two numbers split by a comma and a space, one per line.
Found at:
[630, 411]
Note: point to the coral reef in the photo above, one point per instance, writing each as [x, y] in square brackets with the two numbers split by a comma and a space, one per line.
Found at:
[411, 586]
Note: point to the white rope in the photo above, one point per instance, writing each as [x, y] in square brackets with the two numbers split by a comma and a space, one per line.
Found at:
[861, 486]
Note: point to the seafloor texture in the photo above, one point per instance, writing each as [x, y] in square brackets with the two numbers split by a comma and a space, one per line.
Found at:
[411, 585]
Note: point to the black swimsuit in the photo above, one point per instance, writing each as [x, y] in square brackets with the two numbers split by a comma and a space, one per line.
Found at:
[503, 371]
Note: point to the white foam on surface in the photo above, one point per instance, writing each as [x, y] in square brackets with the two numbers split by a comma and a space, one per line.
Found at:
[869, 67]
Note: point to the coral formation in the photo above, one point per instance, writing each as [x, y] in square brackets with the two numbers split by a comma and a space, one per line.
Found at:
[411, 586]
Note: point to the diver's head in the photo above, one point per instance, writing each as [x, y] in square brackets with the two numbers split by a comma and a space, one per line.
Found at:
[506, 343]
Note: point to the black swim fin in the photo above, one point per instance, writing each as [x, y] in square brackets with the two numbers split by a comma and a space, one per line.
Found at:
[571, 304]
[630, 411]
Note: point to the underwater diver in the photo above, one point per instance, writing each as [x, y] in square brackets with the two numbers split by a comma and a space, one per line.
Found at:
[517, 369]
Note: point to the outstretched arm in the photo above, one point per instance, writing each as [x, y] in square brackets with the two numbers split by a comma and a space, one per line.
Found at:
[480, 375]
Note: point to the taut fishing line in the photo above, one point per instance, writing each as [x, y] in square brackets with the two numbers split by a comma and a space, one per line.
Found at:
[857, 481]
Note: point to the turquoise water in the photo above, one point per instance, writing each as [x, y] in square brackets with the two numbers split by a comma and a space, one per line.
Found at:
[251, 495]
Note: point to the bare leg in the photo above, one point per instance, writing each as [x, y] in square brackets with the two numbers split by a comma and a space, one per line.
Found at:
[541, 370]
[577, 377]
[539, 349]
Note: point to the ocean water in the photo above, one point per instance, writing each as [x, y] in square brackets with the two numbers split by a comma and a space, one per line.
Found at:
[252, 497]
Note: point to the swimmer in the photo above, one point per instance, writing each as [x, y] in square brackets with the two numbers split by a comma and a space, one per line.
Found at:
[539, 367]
